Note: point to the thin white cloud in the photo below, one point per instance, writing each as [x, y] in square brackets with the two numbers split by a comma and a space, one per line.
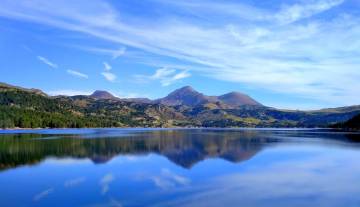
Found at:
[114, 53]
[165, 75]
[77, 74]
[68, 92]
[27, 48]
[109, 76]
[119, 52]
[175, 177]
[47, 62]
[172, 79]
[269, 49]
[105, 182]
[168, 179]
[181, 75]
[162, 183]
[107, 66]
[74, 182]
[288, 13]
[297, 12]
[162, 73]
[43, 194]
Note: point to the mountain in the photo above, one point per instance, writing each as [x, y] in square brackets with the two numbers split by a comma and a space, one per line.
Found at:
[103, 95]
[235, 99]
[184, 96]
[190, 97]
[185, 107]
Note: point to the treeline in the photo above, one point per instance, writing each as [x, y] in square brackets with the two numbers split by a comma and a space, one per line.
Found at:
[353, 123]
[11, 117]
[24, 109]
[30, 100]
[28, 110]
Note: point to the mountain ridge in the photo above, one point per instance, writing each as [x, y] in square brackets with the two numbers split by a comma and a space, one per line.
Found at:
[28, 108]
[187, 96]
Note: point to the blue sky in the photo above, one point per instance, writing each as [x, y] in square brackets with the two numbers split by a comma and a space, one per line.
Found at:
[302, 54]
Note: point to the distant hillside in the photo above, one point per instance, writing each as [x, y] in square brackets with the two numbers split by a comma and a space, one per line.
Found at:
[185, 107]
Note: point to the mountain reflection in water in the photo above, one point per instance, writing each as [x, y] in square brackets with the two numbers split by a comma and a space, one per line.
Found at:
[184, 147]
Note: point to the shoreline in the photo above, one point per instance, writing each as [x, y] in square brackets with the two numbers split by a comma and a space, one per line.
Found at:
[170, 128]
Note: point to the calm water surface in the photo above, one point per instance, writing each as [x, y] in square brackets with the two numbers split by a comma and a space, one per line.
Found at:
[183, 167]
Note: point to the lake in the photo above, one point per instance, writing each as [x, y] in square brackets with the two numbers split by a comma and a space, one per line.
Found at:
[179, 167]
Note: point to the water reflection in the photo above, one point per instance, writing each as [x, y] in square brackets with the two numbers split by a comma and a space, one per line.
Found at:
[183, 147]
[199, 167]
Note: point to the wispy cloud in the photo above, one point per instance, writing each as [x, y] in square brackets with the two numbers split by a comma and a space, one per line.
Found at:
[114, 53]
[175, 177]
[168, 179]
[119, 52]
[264, 48]
[292, 13]
[105, 182]
[74, 182]
[166, 76]
[77, 74]
[107, 66]
[43, 194]
[109, 76]
[162, 73]
[47, 62]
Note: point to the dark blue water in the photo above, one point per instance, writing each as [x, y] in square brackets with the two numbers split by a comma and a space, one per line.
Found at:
[184, 167]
